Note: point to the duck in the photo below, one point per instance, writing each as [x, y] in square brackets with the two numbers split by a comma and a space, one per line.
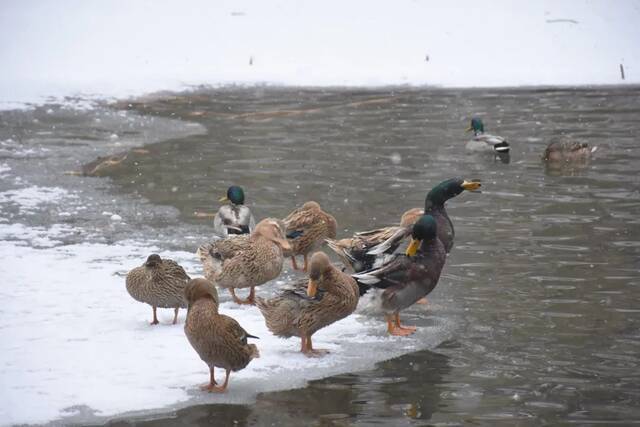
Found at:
[306, 229]
[218, 339]
[329, 295]
[234, 218]
[434, 205]
[400, 280]
[353, 251]
[567, 153]
[159, 282]
[484, 142]
[246, 261]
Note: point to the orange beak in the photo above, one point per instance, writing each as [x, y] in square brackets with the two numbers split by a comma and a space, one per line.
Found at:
[312, 288]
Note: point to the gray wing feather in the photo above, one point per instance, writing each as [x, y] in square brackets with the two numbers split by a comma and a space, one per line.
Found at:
[395, 240]
[490, 139]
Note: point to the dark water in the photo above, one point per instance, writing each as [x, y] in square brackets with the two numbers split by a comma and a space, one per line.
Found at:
[543, 279]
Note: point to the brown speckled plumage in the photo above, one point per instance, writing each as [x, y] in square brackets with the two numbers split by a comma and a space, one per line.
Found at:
[307, 228]
[159, 283]
[559, 153]
[219, 340]
[353, 250]
[294, 313]
[246, 261]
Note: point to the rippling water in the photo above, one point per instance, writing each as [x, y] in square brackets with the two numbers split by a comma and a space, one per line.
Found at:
[543, 283]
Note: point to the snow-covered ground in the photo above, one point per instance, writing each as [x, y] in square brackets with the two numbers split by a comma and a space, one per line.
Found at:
[74, 343]
[121, 48]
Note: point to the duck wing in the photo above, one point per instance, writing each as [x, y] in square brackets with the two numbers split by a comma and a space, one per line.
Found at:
[392, 242]
[498, 143]
[175, 270]
[300, 219]
[391, 270]
[354, 251]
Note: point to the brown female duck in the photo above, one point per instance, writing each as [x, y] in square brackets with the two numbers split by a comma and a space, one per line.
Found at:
[159, 283]
[219, 340]
[567, 156]
[301, 314]
[246, 262]
[306, 229]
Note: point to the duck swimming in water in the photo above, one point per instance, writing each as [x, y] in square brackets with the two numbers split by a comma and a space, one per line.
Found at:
[484, 142]
[567, 154]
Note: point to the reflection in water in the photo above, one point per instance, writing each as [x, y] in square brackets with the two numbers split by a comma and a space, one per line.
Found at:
[409, 387]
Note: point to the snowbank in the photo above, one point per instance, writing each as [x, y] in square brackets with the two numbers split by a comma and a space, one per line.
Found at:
[122, 48]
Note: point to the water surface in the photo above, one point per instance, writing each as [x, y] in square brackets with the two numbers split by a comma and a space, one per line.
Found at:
[542, 283]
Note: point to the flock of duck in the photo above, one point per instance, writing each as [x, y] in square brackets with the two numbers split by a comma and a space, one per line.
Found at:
[246, 255]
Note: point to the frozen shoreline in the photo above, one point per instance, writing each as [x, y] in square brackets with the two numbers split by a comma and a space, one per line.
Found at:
[75, 344]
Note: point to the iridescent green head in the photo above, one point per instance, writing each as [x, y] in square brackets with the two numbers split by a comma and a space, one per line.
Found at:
[235, 195]
[449, 189]
[425, 228]
[476, 126]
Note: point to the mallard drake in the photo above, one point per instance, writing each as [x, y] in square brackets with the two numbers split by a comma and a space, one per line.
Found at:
[402, 279]
[484, 142]
[302, 312]
[219, 340]
[567, 152]
[246, 261]
[233, 218]
[306, 229]
[353, 251]
[159, 283]
[433, 205]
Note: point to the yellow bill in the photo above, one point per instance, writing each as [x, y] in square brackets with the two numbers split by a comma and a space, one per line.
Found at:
[312, 288]
[469, 129]
[471, 185]
[413, 247]
[223, 199]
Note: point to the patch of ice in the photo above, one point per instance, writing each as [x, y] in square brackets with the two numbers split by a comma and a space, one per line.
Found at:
[71, 337]
[116, 217]
[29, 198]
[39, 237]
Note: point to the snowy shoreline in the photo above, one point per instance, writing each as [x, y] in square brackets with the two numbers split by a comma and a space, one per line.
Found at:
[76, 348]
[74, 342]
